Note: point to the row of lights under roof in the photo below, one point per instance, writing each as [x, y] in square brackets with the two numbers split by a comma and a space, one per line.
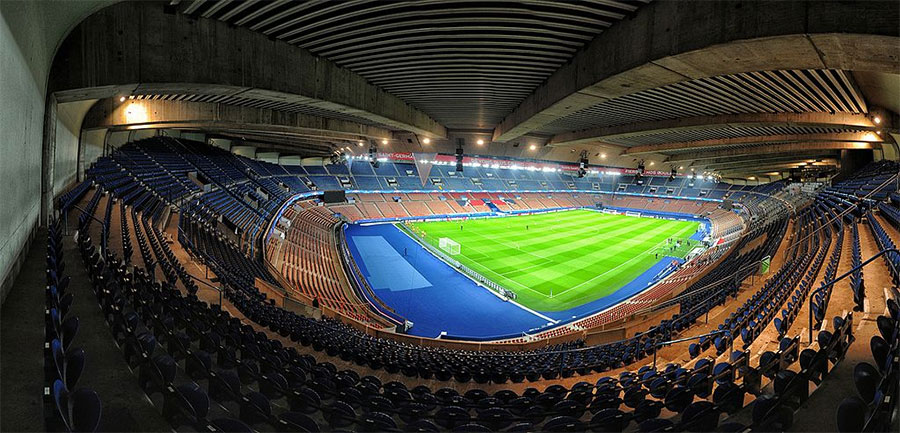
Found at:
[480, 141]
[427, 140]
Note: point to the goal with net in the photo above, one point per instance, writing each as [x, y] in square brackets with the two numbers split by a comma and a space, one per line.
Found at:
[449, 245]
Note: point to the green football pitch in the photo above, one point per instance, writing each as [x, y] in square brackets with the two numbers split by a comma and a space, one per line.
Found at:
[559, 260]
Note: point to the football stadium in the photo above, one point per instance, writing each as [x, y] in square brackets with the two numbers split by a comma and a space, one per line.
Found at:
[454, 216]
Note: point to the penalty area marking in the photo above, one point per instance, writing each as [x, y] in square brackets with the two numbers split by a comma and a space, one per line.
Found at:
[477, 283]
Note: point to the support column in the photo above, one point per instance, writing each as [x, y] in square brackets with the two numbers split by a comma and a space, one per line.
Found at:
[48, 158]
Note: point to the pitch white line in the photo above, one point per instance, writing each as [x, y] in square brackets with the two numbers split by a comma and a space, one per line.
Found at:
[617, 267]
[482, 285]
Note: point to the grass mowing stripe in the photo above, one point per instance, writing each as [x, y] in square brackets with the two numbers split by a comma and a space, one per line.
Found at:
[634, 265]
[589, 253]
[561, 247]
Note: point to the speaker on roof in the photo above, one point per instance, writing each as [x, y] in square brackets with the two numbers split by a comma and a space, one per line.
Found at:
[582, 164]
[459, 155]
[373, 156]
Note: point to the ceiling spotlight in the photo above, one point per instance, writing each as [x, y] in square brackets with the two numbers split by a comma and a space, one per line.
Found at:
[532, 147]
[384, 141]
[480, 142]
[603, 155]
[878, 132]
[359, 144]
[877, 120]
[651, 163]
[426, 140]
[681, 168]
[751, 178]
[122, 99]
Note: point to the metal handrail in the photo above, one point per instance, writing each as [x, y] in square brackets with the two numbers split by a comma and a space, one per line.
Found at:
[103, 233]
[695, 337]
[218, 289]
[796, 242]
[835, 280]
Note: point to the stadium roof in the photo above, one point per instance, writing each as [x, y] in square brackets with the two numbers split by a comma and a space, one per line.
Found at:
[785, 82]
[466, 63]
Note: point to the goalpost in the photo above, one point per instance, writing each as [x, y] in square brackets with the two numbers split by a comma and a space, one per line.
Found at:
[449, 245]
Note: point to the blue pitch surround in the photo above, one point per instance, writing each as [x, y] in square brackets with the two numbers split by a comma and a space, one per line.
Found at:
[450, 302]
[437, 298]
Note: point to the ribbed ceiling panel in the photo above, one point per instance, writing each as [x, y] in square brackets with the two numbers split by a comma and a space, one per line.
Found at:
[466, 63]
[790, 91]
[723, 132]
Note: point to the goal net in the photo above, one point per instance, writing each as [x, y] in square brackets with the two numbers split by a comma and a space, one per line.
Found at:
[449, 245]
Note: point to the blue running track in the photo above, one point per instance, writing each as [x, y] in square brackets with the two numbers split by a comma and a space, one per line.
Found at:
[437, 298]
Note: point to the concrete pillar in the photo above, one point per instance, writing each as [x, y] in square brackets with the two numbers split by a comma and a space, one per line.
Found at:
[48, 157]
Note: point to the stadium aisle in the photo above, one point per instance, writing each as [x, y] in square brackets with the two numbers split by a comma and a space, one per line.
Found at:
[22, 334]
[828, 397]
[125, 408]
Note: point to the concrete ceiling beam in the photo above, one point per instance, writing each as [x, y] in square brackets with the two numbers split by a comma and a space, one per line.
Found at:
[135, 47]
[143, 114]
[751, 120]
[749, 161]
[765, 168]
[778, 144]
[713, 39]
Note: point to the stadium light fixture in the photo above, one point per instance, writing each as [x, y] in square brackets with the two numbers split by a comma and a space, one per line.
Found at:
[603, 155]
[384, 141]
[877, 120]
[122, 99]
[532, 147]
[426, 140]
[359, 144]
[480, 142]
[135, 113]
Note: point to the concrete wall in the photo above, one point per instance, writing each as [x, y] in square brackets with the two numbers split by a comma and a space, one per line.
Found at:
[248, 151]
[268, 157]
[221, 143]
[289, 160]
[30, 32]
[69, 117]
[91, 149]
